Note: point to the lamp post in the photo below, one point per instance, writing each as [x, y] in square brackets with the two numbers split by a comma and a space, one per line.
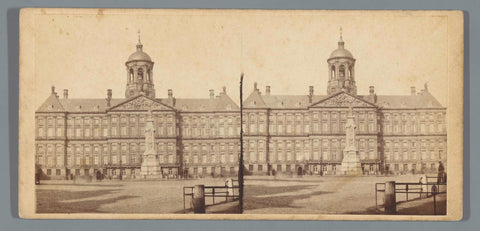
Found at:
[185, 170]
[121, 173]
[240, 161]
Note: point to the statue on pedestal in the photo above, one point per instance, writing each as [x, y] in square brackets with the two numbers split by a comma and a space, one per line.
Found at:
[351, 164]
[150, 165]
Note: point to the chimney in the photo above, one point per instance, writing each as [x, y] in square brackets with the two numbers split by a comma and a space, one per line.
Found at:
[224, 89]
[255, 86]
[412, 91]
[212, 94]
[267, 90]
[65, 93]
[109, 96]
[372, 90]
[310, 94]
[170, 93]
[53, 90]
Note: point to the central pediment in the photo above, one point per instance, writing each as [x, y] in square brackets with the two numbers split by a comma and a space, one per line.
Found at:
[140, 103]
[342, 99]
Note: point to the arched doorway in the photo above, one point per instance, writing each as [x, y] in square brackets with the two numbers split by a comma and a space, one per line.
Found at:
[300, 171]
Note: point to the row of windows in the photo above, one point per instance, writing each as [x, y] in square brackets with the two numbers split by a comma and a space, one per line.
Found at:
[414, 155]
[308, 116]
[315, 144]
[403, 117]
[79, 160]
[298, 129]
[124, 148]
[439, 117]
[413, 144]
[413, 128]
[210, 159]
[210, 120]
[410, 167]
[210, 148]
[211, 131]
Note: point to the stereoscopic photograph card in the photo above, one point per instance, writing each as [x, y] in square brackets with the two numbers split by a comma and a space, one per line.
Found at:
[240, 114]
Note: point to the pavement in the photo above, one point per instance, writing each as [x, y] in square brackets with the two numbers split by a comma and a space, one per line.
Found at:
[263, 195]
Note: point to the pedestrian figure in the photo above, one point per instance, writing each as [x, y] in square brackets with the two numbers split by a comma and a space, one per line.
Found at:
[441, 172]
[423, 182]
[37, 178]
[229, 186]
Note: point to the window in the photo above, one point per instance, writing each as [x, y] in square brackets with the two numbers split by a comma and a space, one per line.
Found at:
[261, 156]
[252, 156]
[289, 156]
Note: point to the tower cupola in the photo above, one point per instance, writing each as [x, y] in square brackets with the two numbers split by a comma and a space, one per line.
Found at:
[139, 67]
[341, 66]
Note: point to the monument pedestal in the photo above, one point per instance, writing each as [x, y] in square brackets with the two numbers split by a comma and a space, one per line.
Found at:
[351, 165]
[150, 167]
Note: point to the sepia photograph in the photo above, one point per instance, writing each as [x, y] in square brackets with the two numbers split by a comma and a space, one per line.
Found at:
[241, 114]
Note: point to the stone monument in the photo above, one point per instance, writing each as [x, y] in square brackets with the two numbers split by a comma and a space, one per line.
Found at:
[150, 165]
[351, 161]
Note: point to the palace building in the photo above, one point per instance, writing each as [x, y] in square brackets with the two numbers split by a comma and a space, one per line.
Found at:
[291, 134]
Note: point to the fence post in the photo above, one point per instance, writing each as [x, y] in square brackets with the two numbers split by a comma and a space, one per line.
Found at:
[434, 193]
[406, 190]
[390, 198]
[183, 199]
[199, 199]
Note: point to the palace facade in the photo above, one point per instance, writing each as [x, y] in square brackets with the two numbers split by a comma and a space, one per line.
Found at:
[292, 134]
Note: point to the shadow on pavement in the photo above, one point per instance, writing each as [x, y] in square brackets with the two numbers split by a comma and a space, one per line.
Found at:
[255, 196]
[417, 206]
[300, 180]
[48, 203]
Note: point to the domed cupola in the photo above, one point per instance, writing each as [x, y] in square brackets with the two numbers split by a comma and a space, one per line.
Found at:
[341, 52]
[139, 73]
[139, 55]
[341, 66]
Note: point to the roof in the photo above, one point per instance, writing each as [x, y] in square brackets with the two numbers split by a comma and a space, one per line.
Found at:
[341, 52]
[418, 101]
[52, 104]
[221, 102]
[91, 105]
[257, 100]
[139, 55]
[421, 100]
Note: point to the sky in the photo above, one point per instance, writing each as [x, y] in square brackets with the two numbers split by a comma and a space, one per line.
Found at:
[194, 51]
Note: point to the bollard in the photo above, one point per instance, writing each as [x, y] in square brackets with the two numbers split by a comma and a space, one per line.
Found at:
[198, 199]
[390, 198]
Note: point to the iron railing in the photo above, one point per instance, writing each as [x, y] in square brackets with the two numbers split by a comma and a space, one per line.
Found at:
[430, 188]
[220, 193]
